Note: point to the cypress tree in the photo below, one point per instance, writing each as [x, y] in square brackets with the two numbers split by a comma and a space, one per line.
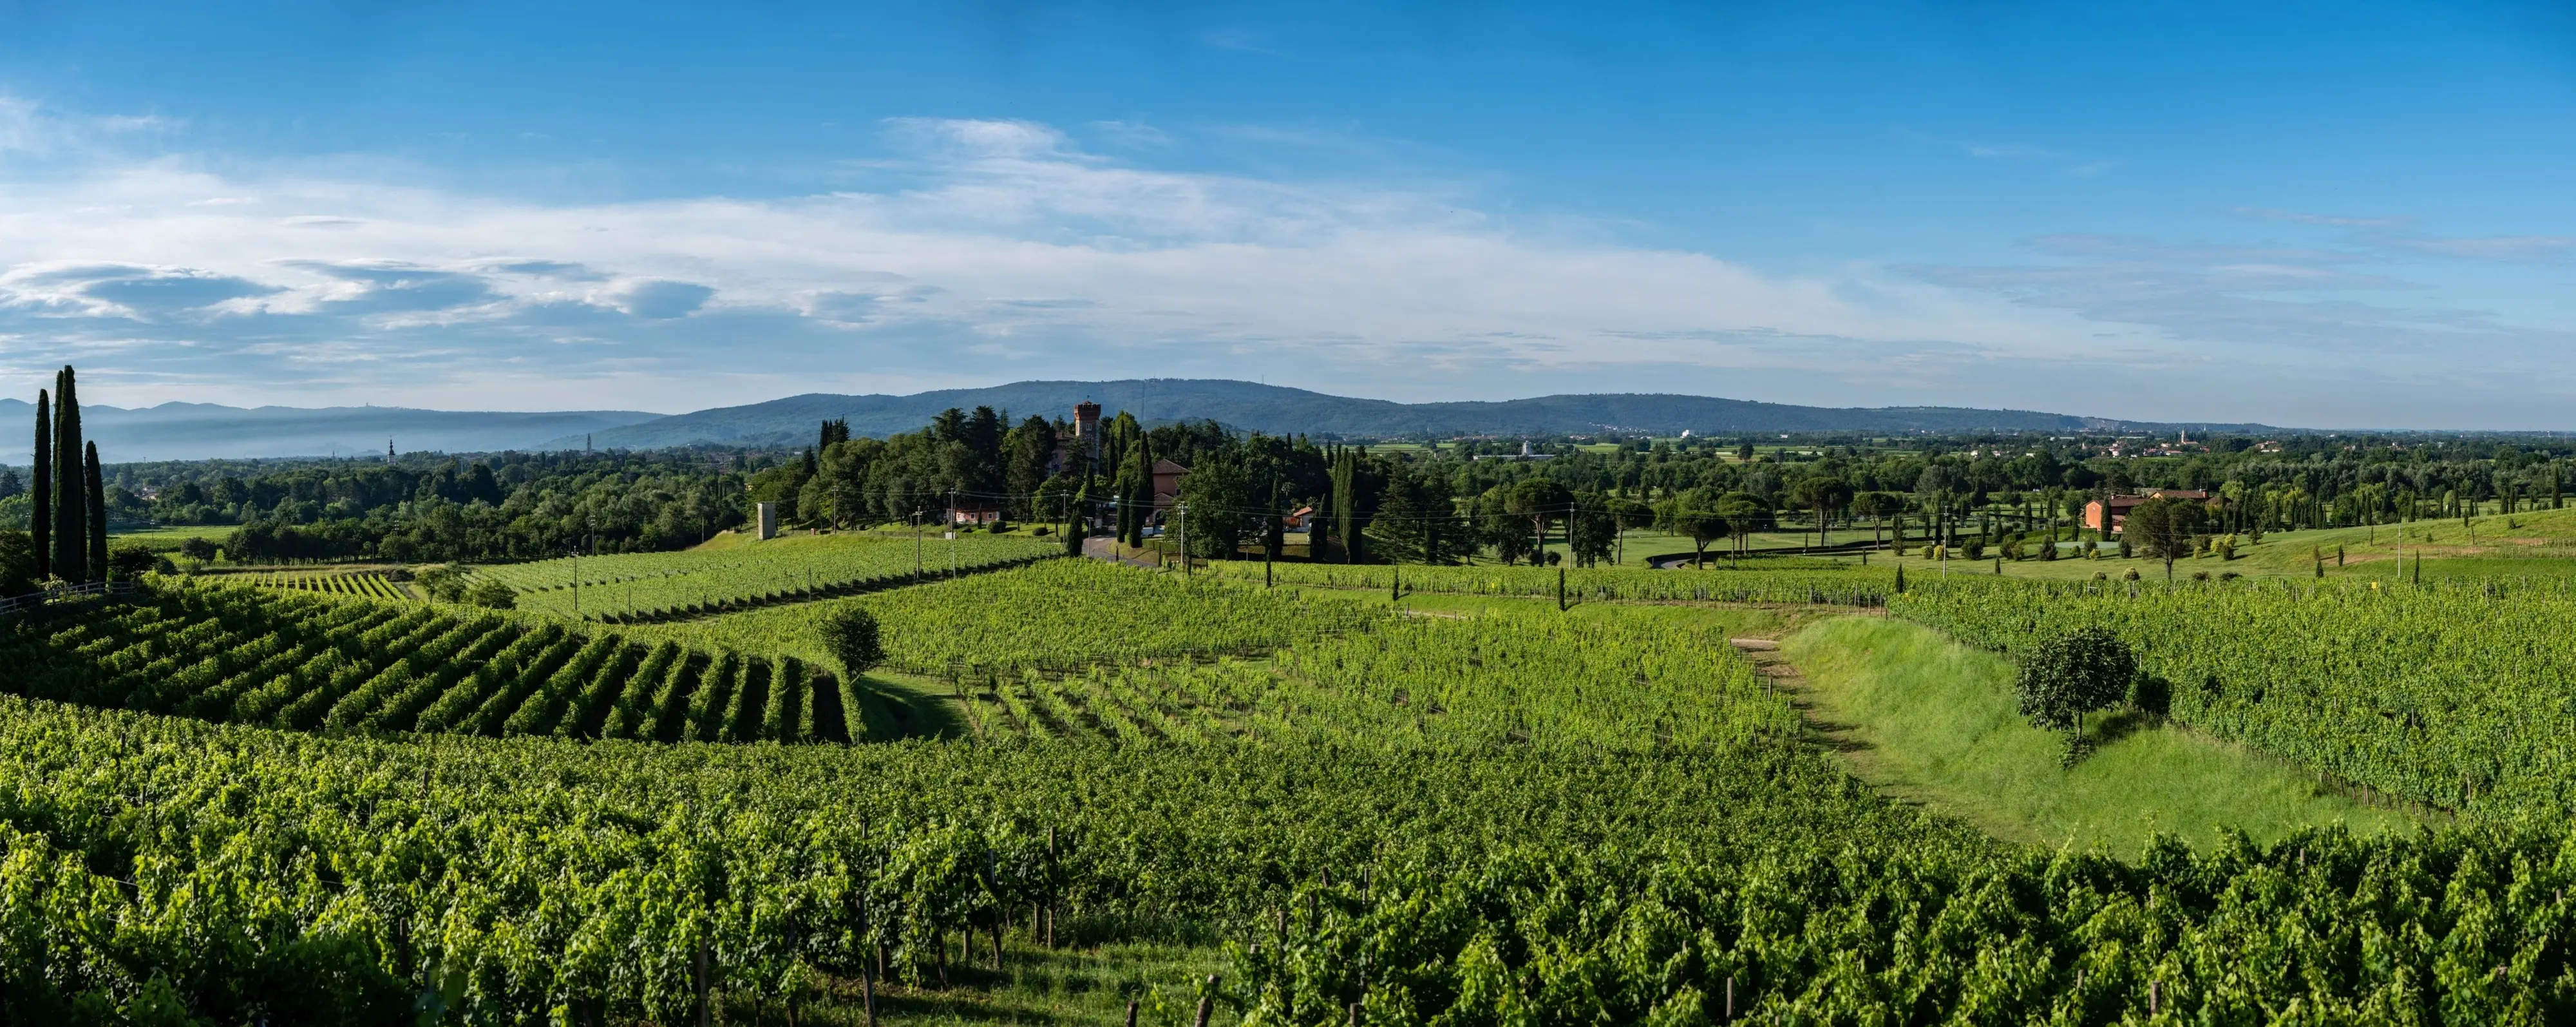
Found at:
[97, 492]
[40, 517]
[1073, 521]
[71, 516]
[1142, 499]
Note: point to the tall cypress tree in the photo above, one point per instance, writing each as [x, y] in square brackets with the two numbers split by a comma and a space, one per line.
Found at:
[71, 514]
[40, 517]
[93, 485]
[1346, 503]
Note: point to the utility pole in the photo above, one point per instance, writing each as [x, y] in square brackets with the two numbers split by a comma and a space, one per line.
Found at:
[1273, 534]
[916, 542]
[1181, 512]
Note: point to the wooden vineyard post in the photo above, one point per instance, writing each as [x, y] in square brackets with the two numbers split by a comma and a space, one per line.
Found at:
[1207, 1002]
[1730, 998]
[868, 987]
[698, 968]
[1131, 1013]
[1560, 590]
[1051, 896]
[993, 875]
[1395, 584]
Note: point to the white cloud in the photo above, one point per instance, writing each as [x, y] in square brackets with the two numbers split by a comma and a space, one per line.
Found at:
[1011, 253]
[1040, 259]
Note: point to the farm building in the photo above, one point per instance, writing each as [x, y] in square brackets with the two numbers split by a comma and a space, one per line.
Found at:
[2119, 506]
[1167, 483]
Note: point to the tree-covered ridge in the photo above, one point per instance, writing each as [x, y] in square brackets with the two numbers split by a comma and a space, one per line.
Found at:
[1277, 410]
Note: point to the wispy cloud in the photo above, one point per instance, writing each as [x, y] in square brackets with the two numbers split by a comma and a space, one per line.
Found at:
[2517, 249]
[2330, 220]
[1009, 250]
[2257, 304]
[1007, 241]
[2398, 234]
[2070, 163]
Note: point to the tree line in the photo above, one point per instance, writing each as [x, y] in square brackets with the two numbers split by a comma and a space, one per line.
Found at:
[1404, 503]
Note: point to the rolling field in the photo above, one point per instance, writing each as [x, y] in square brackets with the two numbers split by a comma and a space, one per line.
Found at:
[1457, 805]
[654, 586]
[1775, 581]
[239, 655]
[1516, 678]
[1058, 614]
[366, 584]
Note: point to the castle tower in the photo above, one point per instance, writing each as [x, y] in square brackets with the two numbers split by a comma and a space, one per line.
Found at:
[1086, 426]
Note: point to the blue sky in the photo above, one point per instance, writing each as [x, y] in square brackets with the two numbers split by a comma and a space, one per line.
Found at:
[2346, 215]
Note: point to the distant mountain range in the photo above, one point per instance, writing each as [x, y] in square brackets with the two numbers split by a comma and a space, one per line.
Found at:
[196, 431]
[201, 431]
[1284, 411]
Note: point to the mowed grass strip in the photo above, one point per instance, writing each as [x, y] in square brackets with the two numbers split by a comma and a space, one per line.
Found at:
[1930, 720]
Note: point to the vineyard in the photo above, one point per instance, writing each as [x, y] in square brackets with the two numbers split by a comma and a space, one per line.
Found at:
[1503, 679]
[1058, 615]
[251, 656]
[2456, 696]
[1676, 882]
[392, 813]
[1855, 586]
[644, 587]
[364, 584]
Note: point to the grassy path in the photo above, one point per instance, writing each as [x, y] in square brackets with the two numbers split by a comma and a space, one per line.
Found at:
[1932, 721]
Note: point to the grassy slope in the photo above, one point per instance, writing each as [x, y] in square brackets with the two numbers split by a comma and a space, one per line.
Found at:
[1933, 721]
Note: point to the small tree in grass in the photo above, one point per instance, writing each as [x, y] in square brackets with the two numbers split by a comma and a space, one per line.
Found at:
[2163, 529]
[492, 593]
[2065, 677]
[1694, 514]
[851, 631]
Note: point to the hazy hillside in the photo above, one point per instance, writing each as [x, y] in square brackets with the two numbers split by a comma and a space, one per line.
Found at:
[1279, 410]
[189, 431]
[195, 431]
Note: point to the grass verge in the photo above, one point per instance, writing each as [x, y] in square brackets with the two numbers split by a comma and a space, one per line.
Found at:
[1930, 720]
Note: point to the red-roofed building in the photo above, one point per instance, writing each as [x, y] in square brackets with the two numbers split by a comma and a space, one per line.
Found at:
[2119, 506]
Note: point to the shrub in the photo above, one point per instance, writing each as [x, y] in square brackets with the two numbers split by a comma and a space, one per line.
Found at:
[2063, 678]
[445, 582]
[130, 562]
[492, 593]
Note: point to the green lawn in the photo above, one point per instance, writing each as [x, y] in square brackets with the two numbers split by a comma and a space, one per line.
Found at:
[167, 539]
[1933, 721]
